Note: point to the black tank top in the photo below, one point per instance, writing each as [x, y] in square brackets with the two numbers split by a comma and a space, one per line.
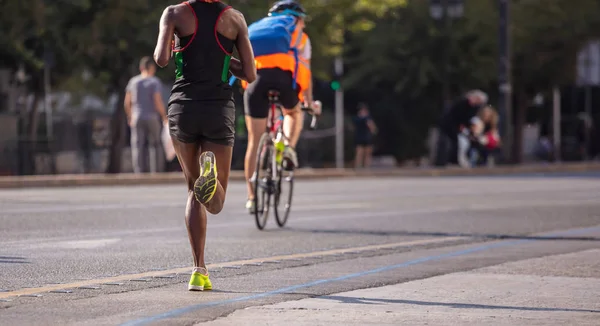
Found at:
[202, 59]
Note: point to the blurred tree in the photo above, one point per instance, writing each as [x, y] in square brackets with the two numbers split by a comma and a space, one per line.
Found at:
[329, 21]
[546, 38]
[35, 35]
[392, 50]
[110, 38]
[396, 66]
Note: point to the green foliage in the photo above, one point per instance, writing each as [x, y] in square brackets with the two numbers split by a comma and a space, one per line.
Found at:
[393, 50]
[546, 38]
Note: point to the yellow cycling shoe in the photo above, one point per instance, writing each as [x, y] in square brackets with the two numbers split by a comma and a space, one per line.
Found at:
[205, 186]
[199, 282]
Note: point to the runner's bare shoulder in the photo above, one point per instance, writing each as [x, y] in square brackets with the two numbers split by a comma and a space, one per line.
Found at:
[185, 19]
[177, 10]
[230, 23]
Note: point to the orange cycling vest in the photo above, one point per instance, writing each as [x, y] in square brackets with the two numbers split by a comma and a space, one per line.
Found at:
[286, 61]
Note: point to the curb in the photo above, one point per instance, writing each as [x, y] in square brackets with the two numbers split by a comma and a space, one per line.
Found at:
[69, 180]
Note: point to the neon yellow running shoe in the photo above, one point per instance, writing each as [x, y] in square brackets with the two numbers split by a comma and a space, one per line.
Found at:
[199, 282]
[205, 186]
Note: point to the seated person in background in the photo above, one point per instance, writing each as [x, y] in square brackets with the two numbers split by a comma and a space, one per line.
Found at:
[480, 138]
[453, 121]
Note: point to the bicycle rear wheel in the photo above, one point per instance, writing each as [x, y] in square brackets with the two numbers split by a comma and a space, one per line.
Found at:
[283, 195]
[263, 184]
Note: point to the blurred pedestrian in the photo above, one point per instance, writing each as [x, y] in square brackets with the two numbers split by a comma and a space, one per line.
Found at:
[585, 125]
[85, 130]
[364, 132]
[145, 108]
[457, 117]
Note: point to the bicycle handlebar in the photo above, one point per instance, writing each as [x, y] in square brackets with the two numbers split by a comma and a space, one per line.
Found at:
[313, 122]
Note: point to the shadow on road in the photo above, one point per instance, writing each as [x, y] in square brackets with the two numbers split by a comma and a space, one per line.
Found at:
[442, 234]
[13, 260]
[447, 304]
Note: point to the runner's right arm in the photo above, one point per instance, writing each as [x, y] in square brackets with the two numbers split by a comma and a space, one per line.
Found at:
[243, 68]
[162, 52]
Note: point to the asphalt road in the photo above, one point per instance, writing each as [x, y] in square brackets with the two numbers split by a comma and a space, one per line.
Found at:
[128, 247]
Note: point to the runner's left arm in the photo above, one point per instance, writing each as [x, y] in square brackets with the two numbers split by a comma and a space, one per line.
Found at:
[245, 67]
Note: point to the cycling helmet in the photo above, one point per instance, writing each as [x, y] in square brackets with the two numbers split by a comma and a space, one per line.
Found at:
[287, 7]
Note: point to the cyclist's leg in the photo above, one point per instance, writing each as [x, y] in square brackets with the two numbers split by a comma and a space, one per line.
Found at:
[293, 116]
[293, 122]
[256, 127]
[256, 110]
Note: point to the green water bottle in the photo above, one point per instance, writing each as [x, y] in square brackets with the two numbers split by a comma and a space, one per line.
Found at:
[279, 148]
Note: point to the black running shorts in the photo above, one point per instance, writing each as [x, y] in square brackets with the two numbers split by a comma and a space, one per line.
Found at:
[196, 121]
[256, 97]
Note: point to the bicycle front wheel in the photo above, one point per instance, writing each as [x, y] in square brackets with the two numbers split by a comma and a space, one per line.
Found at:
[262, 182]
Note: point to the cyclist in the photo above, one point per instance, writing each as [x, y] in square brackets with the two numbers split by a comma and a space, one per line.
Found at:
[283, 64]
[201, 114]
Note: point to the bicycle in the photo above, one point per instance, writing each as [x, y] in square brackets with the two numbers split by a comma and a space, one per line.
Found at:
[271, 174]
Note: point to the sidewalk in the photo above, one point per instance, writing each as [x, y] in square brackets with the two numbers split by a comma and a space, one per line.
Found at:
[555, 290]
[236, 175]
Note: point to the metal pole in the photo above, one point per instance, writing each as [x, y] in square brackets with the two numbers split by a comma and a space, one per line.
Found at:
[504, 78]
[446, 83]
[48, 107]
[47, 102]
[588, 100]
[339, 116]
[556, 122]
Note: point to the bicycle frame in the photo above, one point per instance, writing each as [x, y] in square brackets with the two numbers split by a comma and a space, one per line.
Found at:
[270, 182]
[274, 128]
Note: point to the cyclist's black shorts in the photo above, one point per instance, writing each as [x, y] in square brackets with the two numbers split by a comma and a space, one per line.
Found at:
[197, 121]
[256, 100]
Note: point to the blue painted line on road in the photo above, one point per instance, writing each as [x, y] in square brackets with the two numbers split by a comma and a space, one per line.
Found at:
[185, 310]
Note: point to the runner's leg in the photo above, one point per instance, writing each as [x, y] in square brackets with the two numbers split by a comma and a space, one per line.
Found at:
[195, 215]
[223, 155]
